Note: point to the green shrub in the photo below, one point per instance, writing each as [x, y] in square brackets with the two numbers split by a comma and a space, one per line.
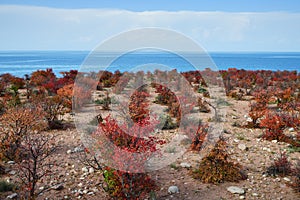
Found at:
[5, 186]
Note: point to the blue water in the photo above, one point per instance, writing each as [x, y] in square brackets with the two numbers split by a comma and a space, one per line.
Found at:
[19, 63]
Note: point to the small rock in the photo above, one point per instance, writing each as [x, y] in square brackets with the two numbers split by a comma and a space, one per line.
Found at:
[80, 185]
[91, 170]
[85, 191]
[11, 162]
[242, 197]
[58, 187]
[242, 147]
[173, 189]
[90, 193]
[12, 172]
[12, 196]
[287, 179]
[274, 141]
[236, 140]
[185, 165]
[85, 169]
[249, 119]
[254, 194]
[78, 149]
[69, 151]
[236, 190]
[291, 129]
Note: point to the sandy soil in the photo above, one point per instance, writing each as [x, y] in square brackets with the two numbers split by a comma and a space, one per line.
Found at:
[77, 183]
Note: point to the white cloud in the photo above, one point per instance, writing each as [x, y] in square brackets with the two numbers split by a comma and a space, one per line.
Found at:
[25, 27]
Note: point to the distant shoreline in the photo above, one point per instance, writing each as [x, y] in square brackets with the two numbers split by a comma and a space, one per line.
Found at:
[19, 63]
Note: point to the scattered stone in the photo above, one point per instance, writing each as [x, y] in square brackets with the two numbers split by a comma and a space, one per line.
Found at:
[236, 190]
[234, 117]
[242, 197]
[287, 179]
[12, 196]
[173, 189]
[11, 162]
[254, 194]
[69, 151]
[78, 149]
[185, 165]
[85, 169]
[85, 191]
[242, 147]
[58, 187]
[274, 141]
[249, 119]
[91, 170]
[291, 129]
[236, 140]
[80, 185]
[12, 172]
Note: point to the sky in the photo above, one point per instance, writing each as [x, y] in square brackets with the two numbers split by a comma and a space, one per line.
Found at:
[219, 25]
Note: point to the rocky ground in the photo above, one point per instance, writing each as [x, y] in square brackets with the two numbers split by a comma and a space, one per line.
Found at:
[73, 180]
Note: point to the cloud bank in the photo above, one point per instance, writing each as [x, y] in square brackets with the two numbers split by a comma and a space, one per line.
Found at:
[42, 28]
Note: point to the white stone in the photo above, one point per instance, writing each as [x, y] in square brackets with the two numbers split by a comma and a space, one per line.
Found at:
[254, 194]
[91, 170]
[236, 190]
[12, 196]
[80, 184]
[242, 197]
[249, 119]
[85, 169]
[287, 179]
[236, 140]
[85, 191]
[69, 151]
[185, 165]
[173, 189]
[242, 147]
[11, 162]
[291, 129]
[274, 141]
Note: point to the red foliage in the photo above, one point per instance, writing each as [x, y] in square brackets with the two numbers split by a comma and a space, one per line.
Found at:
[129, 148]
[44, 80]
[138, 106]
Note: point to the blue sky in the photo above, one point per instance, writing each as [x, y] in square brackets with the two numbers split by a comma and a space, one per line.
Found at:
[169, 5]
[217, 25]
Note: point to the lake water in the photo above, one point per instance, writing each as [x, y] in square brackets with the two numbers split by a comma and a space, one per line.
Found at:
[25, 62]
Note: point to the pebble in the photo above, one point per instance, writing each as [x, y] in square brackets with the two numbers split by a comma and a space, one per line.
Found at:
[11, 162]
[69, 151]
[287, 179]
[242, 147]
[185, 165]
[58, 187]
[12, 172]
[91, 170]
[236, 140]
[85, 169]
[12, 196]
[291, 129]
[173, 189]
[274, 141]
[254, 194]
[236, 190]
[242, 197]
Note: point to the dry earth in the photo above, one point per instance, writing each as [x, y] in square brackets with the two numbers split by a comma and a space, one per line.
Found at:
[79, 182]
